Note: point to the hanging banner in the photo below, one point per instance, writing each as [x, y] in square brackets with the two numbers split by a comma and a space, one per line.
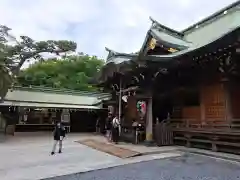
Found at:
[65, 116]
[141, 107]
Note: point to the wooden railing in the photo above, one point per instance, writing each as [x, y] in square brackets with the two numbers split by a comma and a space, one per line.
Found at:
[233, 124]
[217, 135]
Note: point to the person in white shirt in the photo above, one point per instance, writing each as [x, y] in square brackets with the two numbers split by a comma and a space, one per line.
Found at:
[115, 129]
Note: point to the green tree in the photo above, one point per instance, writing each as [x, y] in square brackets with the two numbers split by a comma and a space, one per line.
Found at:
[14, 52]
[71, 72]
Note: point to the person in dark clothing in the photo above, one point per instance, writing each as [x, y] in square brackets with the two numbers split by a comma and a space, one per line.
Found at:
[109, 127]
[58, 135]
[98, 125]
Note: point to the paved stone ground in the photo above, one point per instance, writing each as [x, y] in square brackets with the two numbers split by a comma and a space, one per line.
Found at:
[26, 156]
[29, 158]
[188, 167]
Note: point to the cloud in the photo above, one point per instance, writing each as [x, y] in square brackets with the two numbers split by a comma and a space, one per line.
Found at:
[94, 24]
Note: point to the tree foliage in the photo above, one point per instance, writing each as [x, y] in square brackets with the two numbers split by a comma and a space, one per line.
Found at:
[71, 72]
[14, 52]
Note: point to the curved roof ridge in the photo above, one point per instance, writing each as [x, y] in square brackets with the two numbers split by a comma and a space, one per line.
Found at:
[172, 31]
[115, 53]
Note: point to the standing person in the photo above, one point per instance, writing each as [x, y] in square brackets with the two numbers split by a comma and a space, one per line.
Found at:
[58, 135]
[25, 117]
[109, 126]
[134, 128]
[98, 125]
[115, 129]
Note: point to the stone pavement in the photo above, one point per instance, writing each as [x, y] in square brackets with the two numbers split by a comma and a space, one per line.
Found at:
[26, 156]
[188, 167]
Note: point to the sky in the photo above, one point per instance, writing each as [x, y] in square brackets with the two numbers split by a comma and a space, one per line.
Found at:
[120, 25]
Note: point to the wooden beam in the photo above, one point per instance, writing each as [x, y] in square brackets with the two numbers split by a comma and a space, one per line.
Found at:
[129, 89]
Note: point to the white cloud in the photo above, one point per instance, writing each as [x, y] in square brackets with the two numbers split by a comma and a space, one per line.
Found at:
[94, 24]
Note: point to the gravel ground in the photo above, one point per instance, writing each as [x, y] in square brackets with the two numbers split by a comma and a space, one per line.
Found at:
[188, 167]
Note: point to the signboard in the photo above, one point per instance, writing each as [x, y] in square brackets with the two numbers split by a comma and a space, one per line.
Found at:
[65, 117]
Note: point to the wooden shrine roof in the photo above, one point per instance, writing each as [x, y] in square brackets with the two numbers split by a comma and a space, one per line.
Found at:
[197, 37]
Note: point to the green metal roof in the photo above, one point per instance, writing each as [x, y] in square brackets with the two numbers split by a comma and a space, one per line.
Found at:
[191, 48]
[54, 98]
[50, 97]
[214, 28]
[59, 91]
[168, 39]
[48, 105]
[233, 6]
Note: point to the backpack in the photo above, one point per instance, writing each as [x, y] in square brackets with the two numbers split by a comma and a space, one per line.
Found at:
[115, 123]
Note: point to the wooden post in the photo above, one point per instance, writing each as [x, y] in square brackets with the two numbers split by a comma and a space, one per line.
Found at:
[120, 104]
[149, 121]
[120, 100]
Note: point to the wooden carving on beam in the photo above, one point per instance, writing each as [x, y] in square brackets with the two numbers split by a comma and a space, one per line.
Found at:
[152, 43]
[139, 78]
[160, 71]
[115, 87]
[227, 65]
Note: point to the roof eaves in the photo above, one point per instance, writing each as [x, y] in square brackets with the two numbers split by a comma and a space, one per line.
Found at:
[57, 91]
[212, 17]
[145, 42]
[162, 28]
[173, 41]
[185, 51]
[114, 55]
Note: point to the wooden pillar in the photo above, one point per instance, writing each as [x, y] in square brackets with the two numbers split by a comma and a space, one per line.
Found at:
[149, 121]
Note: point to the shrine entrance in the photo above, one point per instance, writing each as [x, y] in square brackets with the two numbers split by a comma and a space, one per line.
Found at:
[162, 108]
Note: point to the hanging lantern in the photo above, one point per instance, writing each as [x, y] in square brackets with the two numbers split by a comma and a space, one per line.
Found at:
[125, 98]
